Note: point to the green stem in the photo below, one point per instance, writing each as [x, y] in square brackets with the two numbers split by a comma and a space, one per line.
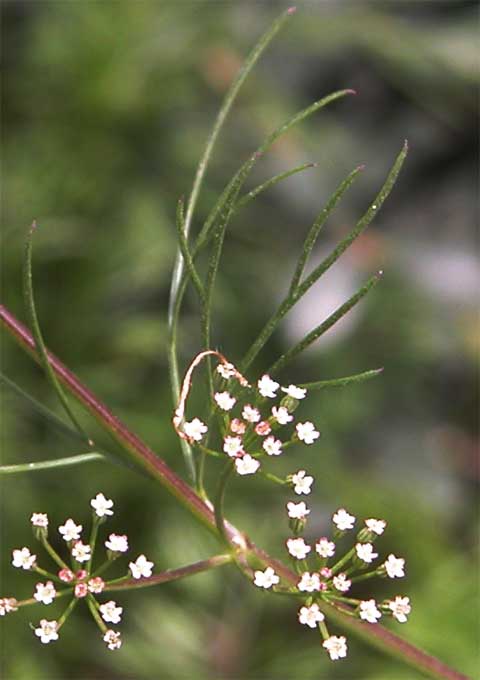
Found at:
[68, 461]
[93, 606]
[71, 606]
[47, 574]
[32, 600]
[37, 334]
[53, 553]
[219, 500]
[93, 539]
[363, 577]
[342, 382]
[127, 583]
[346, 558]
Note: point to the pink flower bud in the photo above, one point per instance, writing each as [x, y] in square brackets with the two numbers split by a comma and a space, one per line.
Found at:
[237, 426]
[326, 572]
[96, 585]
[66, 575]
[263, 428]
[81, 574]
[81, 590]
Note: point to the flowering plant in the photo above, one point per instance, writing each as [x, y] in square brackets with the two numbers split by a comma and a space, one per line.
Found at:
[245, 425]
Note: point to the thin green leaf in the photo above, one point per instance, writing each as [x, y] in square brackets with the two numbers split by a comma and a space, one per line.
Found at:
[342, 382]
[37, 334]
[38, 466]
[318, 224]
[218, 239]
[184, 249]
[271, 182]
[42, 410]
[206, 231]
[325, 325]
[291, 299]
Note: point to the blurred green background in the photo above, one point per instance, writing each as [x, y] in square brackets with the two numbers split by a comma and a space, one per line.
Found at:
[106, 109]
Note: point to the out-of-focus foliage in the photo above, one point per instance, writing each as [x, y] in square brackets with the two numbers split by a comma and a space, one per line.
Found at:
[106, 109]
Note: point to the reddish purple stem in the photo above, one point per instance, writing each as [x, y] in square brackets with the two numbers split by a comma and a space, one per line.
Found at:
[143, 455]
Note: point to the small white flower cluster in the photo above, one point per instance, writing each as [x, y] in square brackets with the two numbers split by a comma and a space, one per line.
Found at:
[81, 578]
[248, 434]
[327, 582]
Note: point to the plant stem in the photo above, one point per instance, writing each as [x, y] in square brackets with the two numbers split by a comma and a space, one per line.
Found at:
[219, 500]
[170, 574]
[37, 334]
[49, 464]
[375, 635]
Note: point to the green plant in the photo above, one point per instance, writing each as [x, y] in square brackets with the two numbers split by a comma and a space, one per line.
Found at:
[240, 550]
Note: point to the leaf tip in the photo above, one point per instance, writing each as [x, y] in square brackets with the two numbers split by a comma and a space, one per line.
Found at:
[379, 274]
[351, 91]
[359, 168]
[291, 10]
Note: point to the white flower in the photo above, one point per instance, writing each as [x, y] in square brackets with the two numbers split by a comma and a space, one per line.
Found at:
[81, 551]
[23, 558]
[281, 415]
[272, 446]
[112, 638]
[70, 531]
[45, 592]
[297, 510]
[395, 566]
[267, 387]
[110, 612]
[295, 392]
[7, 605]
[298, 548]
[306, 432]
[336, 647]
[102, 505]
[365, 552]
[226, 370]
[310, 616]
[232, 446]
[39, 519]
[251, 414]
[309, 582]
[141, 568]
[117, 543]
[195, 429]
[342, 583]
[246, 465]
[369, 612]
[343, 520]
[224, 400]
[47, 631]
[324, 547]
[376, 525]
[266, 579]
[400, 607]
[302, 482]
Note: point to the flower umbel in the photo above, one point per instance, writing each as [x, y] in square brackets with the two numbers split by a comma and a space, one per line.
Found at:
[78, 583]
